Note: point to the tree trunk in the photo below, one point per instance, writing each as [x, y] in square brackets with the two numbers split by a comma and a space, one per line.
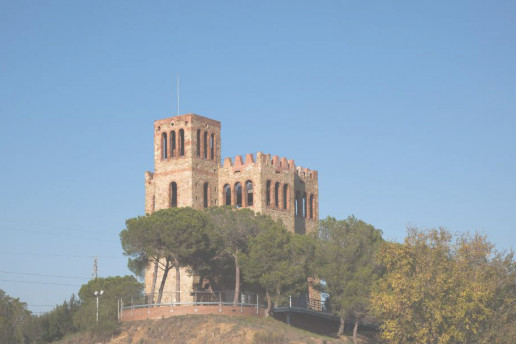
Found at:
[269, 305]
[163, 280]
[341, 325]
[355, 330]
[154, 279]
[178, 281]
[237, 279]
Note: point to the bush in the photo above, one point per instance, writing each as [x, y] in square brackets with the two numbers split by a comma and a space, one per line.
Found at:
[269, 338]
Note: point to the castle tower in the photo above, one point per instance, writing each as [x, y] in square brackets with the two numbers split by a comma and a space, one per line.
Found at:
[186, 161]
[188, 173]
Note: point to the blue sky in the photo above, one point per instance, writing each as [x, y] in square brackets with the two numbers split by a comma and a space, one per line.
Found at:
[407, 109]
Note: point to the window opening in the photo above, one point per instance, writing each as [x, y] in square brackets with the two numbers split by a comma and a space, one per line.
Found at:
[205, 146]
[238, 195]
[198, 142]
[276, 194]
[249, 189]
[227, 194]
[164, 146]
[173, 194]
[172, 143]
[205, 194]
[311, 206]
[212, 147]
[304, 205]
[181, 142]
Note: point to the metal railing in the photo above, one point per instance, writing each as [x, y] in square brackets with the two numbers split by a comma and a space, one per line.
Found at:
[193, 298]
[305, 302]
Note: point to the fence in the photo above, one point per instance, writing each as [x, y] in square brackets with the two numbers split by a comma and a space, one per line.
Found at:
[305, 302]
[189, 303]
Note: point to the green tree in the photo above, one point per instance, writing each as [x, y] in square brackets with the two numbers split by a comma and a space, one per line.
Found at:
[114, 288]
[345, 259]
[59, 321]
[174, 238]
[15, 320]
[233, 229]
[142, 242]
[276, 261]
[437, 289]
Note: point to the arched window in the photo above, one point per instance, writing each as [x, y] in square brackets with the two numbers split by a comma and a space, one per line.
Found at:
[304, 205]
[285, 196]
[205, 146]
[238, 195]
[164, 146]
[249, 190]
[276, 194]
[212, 147]
[298, 204]
[268, 193]
[173, 194]
[181, 142]
[198, 142]
[311, 206]
[172, 144]
[205, 195]
[227, 194]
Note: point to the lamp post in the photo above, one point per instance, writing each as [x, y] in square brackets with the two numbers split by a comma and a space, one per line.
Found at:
[97, 294]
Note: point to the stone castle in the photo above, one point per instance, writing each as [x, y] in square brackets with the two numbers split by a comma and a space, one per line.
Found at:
[188, 173]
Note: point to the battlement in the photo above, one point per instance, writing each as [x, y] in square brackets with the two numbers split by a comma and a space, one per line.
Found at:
[260, 159]
[306, 173]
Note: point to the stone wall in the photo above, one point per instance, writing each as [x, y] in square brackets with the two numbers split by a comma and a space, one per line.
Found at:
[159, 312]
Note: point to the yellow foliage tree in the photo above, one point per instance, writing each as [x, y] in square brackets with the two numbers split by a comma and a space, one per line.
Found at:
[436, 289]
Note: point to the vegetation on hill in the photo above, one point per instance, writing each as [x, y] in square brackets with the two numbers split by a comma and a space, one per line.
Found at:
[432, 288]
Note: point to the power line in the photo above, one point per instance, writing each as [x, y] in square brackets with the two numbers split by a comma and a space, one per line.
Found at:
[33, 282]
[70, 234]
[59, 255]
[44, 275]
[61, 229]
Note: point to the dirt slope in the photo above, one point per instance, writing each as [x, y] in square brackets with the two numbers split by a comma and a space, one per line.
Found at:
[206, 329]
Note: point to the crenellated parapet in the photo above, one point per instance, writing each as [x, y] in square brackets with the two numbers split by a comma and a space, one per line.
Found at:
[239, 163]
[307, 174]
[261, 160]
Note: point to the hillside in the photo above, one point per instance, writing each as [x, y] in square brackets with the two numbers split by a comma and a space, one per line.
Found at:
[204, 329]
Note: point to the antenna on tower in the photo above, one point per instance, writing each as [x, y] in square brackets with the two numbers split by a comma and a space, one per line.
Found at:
[94, 274]
[178, 94]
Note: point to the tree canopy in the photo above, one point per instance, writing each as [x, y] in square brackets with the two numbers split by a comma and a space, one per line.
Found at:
[169, 238]
[15, 320]
[114, 288]
[345, 260]
[277, 262]
[439, 290]
[233, 228]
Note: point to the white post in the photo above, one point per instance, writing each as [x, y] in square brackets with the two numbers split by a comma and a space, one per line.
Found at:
[290, 301]
[97, 309]
[97, 295]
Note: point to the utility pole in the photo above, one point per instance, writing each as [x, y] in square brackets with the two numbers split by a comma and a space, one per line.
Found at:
[94, 274]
